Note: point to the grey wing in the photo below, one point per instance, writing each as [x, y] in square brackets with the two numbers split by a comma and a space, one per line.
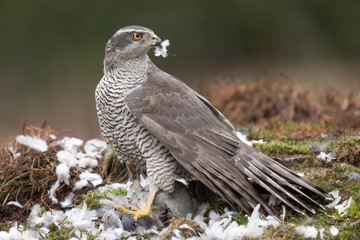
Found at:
[203, 141]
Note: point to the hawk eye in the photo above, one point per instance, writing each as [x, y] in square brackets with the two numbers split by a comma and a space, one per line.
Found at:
[137, 36]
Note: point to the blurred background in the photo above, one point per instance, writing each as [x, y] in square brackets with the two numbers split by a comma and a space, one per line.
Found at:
[51, 52]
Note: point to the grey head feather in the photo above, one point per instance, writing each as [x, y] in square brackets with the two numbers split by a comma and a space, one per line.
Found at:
[122, 47]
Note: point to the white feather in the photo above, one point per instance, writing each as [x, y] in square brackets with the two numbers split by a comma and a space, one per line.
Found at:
[336, 197]
[345, 205]
[321, 233]
[79, 185]
[67, 158]
[87, 162]
[16, 204]
[70, 144]
[32, 142]
[63, 173]
[52, 190]
[333, 231]
[307, 231]
[68, 201]
[327, 157]
[94, 178]
[161, 50]
[94, 147]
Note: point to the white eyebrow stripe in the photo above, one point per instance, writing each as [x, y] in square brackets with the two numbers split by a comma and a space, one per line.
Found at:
[131, 30]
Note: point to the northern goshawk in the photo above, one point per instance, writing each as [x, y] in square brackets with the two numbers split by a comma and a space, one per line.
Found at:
[157, 122]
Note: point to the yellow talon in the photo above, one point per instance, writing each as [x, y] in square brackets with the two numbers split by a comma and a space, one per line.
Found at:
[123, 209]
[138, 213]
[135, 208]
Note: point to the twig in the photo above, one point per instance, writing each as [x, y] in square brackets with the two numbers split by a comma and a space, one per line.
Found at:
[24, 126]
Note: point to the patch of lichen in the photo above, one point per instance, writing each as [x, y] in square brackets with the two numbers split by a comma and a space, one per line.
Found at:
[63, 233]
[329, 176]
[347, 149]
[92, 198]
[216, 204]
[174, 223]
[4, 227]
[58, 233]
[349, 231]
[274, 130]
[336, 177]
[321, 220]
[265, 134]
[283, 231]
[293, 140]
[332, 177]
[241, 218]
[287, 147]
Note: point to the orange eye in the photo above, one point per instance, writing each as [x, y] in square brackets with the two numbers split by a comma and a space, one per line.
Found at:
[137, 36]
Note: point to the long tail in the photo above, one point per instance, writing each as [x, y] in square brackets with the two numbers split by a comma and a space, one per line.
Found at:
[276, 179]
[232, 181]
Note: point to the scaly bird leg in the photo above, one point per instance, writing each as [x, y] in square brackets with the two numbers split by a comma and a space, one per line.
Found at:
[136, 211]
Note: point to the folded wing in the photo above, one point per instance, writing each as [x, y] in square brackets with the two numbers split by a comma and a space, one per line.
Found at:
[204, 142]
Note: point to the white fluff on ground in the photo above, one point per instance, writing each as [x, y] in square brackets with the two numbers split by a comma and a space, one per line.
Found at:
[243, 138]
[94, 178]
[67, 201]
[32, 142]
[343, 206]
[16, 204]
[67, 158]
[93, 146]
[321, 233]
[70, 144]
[327, 157]
[52, 190]
[63, 173]
[336, 197]
[307, 231]
[221, 226]
[84, 221]
[87, 162]
[333, 231]
[79, 185]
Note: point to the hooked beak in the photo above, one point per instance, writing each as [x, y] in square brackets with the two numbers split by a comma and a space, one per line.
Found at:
[155, 41]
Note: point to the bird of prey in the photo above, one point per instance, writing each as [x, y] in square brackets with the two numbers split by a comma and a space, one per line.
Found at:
[155, 121]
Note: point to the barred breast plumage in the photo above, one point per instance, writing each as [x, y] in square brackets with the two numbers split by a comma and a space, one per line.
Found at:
[131, 141]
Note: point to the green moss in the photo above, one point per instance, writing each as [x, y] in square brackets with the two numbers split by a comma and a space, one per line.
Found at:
[283, 147]
[329, 176]
[92, 198]
[351, 168]
[283, 231]
[4, 227]
[335, 177]
[348, 231]
[344, 143]
[59, 234]
[241, 219]
[217, 205]
[118, 192]
[344, 146]
[63, 233]
[264, 134]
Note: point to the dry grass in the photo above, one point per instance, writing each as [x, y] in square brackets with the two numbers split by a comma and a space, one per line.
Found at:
[27, 178]
[176, 222]
[258, 101]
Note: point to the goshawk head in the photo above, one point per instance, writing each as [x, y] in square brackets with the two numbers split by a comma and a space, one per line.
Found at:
[130, 43]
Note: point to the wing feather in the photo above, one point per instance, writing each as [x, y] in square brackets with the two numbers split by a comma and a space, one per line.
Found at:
[204, 142]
